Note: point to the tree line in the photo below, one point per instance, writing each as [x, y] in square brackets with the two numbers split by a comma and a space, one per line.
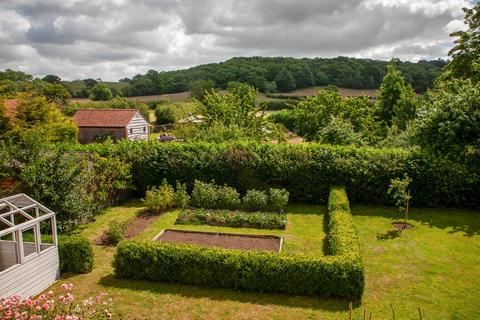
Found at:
[285, 74]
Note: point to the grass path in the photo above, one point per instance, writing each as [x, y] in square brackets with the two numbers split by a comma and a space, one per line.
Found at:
[434, 265]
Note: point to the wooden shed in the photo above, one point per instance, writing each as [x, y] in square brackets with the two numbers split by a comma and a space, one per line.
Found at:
[96, 124]
[29, 260]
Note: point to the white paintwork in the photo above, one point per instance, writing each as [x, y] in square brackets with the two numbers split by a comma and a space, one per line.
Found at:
[138, 128]
[27, 266]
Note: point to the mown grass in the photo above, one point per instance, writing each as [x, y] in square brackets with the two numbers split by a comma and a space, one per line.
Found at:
[434, 265]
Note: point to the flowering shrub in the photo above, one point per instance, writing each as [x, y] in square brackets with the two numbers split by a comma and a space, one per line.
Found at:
[63, 307]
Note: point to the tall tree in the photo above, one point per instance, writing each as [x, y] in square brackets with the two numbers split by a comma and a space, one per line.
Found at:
[465, 63]
[101, 91]
[395, 99]
[285, 81]
[52, 78]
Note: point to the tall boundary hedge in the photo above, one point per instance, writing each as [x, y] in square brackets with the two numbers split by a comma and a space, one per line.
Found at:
[339, 275]
[305, 170]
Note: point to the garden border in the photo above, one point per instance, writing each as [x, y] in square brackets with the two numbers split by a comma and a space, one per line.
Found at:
[340, 274]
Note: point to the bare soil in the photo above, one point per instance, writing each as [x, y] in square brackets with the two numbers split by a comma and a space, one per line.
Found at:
[223, 240]
[140, 223]
[402, 225]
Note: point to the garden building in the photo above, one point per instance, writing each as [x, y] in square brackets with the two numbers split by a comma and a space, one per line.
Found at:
[29, 260]
[98, 124]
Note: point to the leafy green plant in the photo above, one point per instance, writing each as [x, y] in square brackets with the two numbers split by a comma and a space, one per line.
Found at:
[160, 198]
[181, 197]
[114, 232]
[255, 200]
[400, 191]
[278, 198]
[227, 197]
[204, 195]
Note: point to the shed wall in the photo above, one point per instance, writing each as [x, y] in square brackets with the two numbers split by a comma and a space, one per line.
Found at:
[89, 134]
[37, 273]
[138, 128]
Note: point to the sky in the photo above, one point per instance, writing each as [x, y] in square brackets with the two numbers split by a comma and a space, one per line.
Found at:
[113, 39]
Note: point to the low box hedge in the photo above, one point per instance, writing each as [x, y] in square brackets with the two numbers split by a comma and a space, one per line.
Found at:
[340, 275]
[76, 254]
[236, 219]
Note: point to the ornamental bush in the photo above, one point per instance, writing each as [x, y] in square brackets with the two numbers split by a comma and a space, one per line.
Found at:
[76, 254]
[204, 195]
[159, 199]
[227, 198]
[114, 232]
[278, 198]
[181, 197]
[255, 200]
[340, 274]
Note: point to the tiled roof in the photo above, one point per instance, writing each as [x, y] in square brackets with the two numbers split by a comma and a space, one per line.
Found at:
[104, 117]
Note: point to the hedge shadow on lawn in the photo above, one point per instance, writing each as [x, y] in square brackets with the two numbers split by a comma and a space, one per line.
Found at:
[221, 295]
[460, 220]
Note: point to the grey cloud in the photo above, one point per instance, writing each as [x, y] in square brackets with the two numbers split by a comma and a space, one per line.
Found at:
[112, 39]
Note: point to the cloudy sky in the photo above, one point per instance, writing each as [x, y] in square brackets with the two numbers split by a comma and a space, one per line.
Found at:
[112, 39]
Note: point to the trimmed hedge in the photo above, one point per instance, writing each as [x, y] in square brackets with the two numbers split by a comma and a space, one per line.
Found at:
[236, 219]
[305, 170]
[341, 275]
[76, 254]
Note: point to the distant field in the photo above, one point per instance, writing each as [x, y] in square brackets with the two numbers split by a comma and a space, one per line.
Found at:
[184, 96]
[343, 91]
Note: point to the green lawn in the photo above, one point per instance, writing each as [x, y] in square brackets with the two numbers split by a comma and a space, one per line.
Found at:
[434, 265]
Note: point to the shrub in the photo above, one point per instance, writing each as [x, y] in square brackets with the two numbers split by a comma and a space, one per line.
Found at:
[76, 254]
[204, 195]
[278, 104]
[285, 117]
[181, 197]
[255, 200]
[238, 219]
[164, 115]
[114, 232]
[227, 198]
[158, 199]
[278, 199]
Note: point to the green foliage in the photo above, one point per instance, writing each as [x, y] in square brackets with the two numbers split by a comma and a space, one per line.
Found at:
[285, 81]
[285, 117]
[395, 100]
[181, 197]
[279, 104]
[278, 198]
[164, 115]
[263, 73]
[50, 78]
[450, 120]
[204, 195]
[305, 170]
[235, 219]
[400, 192]
[255, 200]
[111, 177]
[227, 198]
[56, 92]
[339, 132]
[36, 116]
[5, 124]
[76, 254]
[161, 198]
[465, 55]
[100, 91]
[199, 88]
[114, 232]
[339, 275]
